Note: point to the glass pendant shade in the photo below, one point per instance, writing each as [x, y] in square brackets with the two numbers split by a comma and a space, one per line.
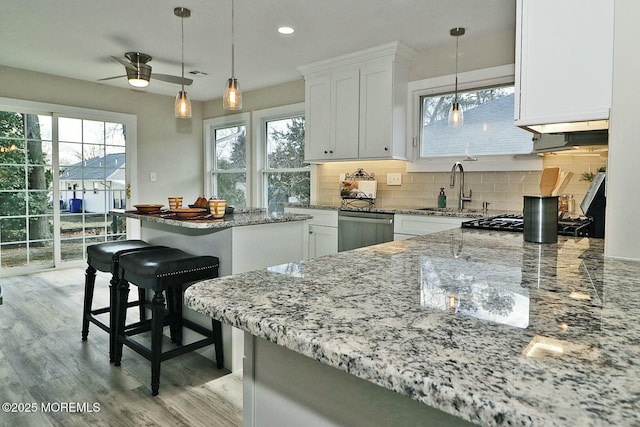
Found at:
[232, 98]
[182, 106]
[456, 115]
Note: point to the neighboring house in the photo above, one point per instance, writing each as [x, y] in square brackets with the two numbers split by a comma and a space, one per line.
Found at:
[94, 185]
[488, 129]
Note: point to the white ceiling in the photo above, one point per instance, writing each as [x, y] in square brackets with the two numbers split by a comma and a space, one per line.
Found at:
[75, 38]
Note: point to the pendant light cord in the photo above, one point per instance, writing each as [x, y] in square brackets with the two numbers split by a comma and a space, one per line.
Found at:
[182, 24]
[232, 41]
[456, 94]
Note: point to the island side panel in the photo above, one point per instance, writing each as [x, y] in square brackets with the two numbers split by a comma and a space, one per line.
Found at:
[239, 249]
[284, 388]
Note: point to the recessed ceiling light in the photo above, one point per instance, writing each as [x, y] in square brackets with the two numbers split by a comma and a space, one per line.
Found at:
[285, 30]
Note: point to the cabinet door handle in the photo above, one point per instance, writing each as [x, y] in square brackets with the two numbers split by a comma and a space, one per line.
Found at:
[331, 151]
[325, 152]
[386, 148]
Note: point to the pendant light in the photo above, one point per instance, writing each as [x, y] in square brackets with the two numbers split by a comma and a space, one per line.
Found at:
[456, 117]
[232, 98]
[182, 106]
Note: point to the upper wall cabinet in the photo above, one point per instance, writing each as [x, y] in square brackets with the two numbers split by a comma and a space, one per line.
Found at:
[564, 62]
[356, 105]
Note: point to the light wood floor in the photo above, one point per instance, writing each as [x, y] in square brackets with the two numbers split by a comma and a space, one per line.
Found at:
[43, 360]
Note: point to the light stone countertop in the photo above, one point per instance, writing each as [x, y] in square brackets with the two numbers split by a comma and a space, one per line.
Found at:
[478, 324]
[450, 212]
[238, 219]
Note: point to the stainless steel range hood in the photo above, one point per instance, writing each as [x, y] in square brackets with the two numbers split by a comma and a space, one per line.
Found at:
[543, 143]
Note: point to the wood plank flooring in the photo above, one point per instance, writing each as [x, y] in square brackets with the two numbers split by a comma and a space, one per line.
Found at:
[44, 361]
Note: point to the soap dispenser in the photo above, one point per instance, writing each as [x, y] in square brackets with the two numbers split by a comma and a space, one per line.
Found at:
[442, 199]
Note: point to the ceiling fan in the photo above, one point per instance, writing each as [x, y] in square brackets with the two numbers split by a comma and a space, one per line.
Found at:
[139, 72]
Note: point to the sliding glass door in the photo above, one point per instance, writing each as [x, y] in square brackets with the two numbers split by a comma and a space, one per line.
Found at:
[59, 178]
[26, 189]
[91, 182]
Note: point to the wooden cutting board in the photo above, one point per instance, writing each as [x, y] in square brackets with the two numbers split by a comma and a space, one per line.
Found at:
[565, 177]
[549, 180]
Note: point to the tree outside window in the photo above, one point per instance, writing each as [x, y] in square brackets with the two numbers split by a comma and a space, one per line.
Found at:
[286, 177]
[229, 175]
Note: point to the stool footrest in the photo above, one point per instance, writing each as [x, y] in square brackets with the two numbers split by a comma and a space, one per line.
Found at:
[170, 354]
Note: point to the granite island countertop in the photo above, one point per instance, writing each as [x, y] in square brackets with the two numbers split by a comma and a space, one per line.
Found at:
[239, 218]
[478, 324]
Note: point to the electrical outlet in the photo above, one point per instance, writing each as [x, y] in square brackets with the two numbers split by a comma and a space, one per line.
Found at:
[394, 179]
[152, 177]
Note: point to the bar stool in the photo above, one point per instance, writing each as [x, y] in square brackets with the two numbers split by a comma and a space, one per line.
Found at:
[170, 271]
[104, 257]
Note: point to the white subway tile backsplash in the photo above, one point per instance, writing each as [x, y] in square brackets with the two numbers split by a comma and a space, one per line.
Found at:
[503, 190]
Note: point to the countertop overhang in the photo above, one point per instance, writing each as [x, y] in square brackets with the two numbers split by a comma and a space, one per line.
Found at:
[478, 324]
[239, 219]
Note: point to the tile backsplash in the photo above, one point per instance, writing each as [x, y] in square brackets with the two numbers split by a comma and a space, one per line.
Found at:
[502, 190]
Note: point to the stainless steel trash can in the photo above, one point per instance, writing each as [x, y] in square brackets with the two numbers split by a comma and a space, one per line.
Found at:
[540, 219]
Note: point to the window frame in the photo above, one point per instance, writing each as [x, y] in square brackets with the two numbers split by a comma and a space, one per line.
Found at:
[477, 79]
[210, 125]
[260, 119]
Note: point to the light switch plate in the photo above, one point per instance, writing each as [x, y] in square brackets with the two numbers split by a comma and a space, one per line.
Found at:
[152, 176]
[394, 179]
[342, 176]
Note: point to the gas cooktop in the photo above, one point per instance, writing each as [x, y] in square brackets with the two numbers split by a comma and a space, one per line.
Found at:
[580, 227]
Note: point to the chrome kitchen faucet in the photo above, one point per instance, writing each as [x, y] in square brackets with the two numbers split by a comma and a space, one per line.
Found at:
[461, 198]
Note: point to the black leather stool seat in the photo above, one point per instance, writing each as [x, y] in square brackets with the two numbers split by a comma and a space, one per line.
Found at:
[164, 271]
[104, 257]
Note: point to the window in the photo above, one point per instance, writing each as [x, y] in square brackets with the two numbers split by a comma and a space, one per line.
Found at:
[488, 127]
[226, 146]
[284, 178]
[488, 134]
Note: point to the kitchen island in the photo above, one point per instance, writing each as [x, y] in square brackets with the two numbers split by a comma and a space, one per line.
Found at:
[243, 241]
[460, 325]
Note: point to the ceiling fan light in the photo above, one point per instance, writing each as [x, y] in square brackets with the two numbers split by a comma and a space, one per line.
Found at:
[140, 76]
[182, 106]
[232, 98]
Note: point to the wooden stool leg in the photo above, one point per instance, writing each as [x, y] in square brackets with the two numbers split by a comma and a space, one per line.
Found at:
[177, 300]
[217, 342]
[142, 298]
[89, 285]
[122, 295]
[113, 305]
[157, 324]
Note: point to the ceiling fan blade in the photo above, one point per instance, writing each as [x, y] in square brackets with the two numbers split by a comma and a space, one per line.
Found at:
[171, 79]
[126, 64]
[111, 78]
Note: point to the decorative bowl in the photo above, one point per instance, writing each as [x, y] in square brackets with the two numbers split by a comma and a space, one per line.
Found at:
[188, 212]
[148, 208]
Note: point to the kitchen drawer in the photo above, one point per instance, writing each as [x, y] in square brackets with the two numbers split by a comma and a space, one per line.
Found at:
[417, 225]
[323, 217]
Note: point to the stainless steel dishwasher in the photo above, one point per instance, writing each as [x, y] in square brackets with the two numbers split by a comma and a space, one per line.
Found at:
[357, 229]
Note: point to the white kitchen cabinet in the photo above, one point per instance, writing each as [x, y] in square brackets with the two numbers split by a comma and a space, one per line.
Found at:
[356, 105]
[406, 226]
[564, 64]
[322, 240]
[323, 230]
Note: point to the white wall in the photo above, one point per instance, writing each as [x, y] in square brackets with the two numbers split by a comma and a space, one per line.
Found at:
[623, 200]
